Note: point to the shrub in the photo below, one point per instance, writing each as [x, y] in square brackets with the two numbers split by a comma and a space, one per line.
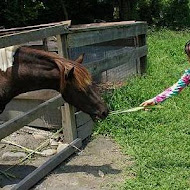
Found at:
[170, 13]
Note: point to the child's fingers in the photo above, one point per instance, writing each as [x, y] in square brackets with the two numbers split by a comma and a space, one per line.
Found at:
[144, 104]
[147, 103]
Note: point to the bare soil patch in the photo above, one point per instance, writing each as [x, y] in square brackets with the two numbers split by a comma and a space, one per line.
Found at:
[100, 165]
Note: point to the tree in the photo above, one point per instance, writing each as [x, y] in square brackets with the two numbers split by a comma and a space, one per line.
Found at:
[16, 13]
[19, 12]
[127, 9]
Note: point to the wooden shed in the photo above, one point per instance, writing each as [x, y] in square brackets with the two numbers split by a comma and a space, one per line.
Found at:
[113, 52]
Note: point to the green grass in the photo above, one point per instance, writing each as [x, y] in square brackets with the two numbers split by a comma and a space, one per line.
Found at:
[158, 140]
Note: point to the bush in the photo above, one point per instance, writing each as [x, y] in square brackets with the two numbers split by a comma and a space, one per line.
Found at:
[170, 13]
[18, 13]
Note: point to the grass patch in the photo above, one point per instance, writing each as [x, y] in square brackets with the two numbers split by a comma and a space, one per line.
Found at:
[158, 140]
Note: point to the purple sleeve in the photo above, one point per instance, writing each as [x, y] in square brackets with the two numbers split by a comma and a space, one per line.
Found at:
[175, 89]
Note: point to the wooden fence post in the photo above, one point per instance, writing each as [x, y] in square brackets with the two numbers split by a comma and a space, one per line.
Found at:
[67, 111]
[140, 40]
[45, 44]
[136, 39]
[143, 60]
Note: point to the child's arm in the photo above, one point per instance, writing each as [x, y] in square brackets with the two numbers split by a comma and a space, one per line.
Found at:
[173, 90]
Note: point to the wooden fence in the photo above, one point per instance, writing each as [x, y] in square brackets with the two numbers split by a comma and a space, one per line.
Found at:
[111, 49]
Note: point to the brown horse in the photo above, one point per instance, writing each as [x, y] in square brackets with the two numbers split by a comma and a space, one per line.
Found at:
[36, 69]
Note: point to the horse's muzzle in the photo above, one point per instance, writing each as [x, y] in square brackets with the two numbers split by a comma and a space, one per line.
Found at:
[101, 115]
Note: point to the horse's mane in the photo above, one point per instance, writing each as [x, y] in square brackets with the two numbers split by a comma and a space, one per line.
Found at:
[81, 78]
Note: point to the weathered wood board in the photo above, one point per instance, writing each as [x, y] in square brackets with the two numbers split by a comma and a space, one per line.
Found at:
[50, 118]
[18, 122]
[93, 35]
[84, 125]
[32, 35]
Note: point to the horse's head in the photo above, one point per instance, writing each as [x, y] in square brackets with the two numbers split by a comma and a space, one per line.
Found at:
[36, 69]
[79, 92]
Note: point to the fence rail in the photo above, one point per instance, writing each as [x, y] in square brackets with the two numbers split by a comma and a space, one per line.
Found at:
[18, 122]
[33, 35]
[78, 37]
[113, 61]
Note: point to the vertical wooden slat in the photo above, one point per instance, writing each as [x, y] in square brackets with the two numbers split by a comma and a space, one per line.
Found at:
[138, 67]
[67, 111]
[68, 122]
[140, 41]
[45, 44]
[143, 60]
[62, 45]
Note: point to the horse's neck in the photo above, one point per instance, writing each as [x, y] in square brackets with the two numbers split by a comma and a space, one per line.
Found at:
[28, 73]
[15, 82]
[5, 90]
[30, 79]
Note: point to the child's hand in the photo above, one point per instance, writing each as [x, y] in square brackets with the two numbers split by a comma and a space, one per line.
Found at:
[149, 102]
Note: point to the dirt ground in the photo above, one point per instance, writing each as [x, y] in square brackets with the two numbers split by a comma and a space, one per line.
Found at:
[100, 165]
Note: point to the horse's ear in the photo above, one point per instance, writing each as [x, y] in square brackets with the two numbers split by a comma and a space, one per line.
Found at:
[80, 58]
[70, 73]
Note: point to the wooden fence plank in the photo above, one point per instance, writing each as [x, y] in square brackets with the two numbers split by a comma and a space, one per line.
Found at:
[85, 130]
[98, 67]
[16, 123]
[81, 118]
[50, 118]
[106, 25]
[67, 22]
[86, 37]
[143, 59]
[32, 35]
[38, 95]
[39, 173]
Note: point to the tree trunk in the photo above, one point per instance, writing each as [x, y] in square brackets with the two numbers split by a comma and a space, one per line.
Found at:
[127, 9]
[64, 10]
